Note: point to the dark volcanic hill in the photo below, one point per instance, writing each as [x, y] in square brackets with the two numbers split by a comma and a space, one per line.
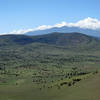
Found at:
[58, 39]
[65, 39]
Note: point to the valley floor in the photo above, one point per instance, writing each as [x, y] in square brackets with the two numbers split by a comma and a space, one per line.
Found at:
[87, 89]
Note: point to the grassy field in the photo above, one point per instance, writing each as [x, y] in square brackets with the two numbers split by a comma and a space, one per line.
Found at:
[87, 89]
[57, 75]
[49, 83]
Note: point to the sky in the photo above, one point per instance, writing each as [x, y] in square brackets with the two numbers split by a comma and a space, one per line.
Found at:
[17, 15]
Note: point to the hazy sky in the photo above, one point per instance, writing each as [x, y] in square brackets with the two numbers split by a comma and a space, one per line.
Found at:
[24, 14]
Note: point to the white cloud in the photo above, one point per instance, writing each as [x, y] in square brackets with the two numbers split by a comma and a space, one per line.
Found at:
[60, 25]
[89, 23]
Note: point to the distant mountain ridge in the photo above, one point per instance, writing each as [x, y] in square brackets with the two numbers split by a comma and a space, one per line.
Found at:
[66, 29]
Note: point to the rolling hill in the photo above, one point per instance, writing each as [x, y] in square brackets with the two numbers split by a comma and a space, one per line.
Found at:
[57, 39]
